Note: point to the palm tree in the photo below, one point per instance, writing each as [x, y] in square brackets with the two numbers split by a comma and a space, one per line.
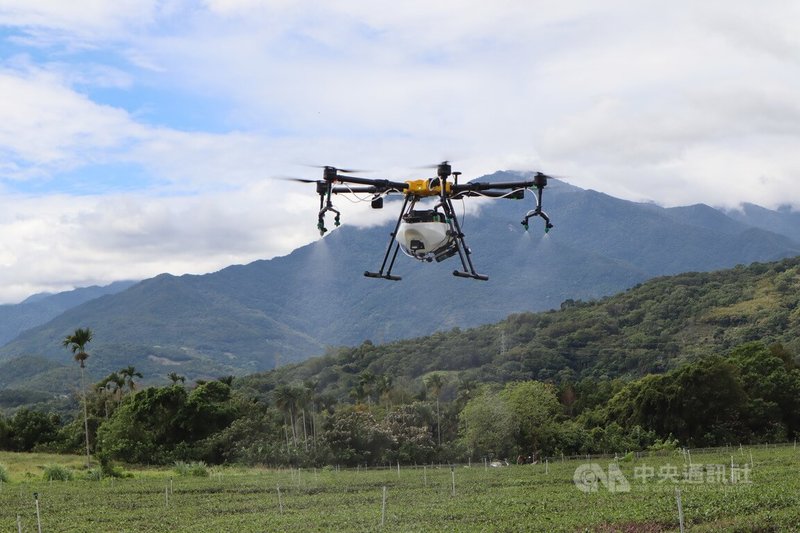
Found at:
[175, 378]
[128, 373]
[384, 387]
[77, 343]
[435, 382]
[286, 399]
[310, 390]
[114, 384]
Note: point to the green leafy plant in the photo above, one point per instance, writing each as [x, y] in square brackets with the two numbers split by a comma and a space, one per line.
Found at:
[196, 469]
[57, 473]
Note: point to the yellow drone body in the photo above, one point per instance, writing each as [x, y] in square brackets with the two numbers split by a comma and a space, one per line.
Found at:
[427, 187]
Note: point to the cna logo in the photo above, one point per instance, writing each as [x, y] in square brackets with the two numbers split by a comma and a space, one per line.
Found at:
[589, 476]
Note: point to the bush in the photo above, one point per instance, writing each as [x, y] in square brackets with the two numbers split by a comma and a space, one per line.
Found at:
[57, 473]
[109, 469]
[197, 469]
[3, 474]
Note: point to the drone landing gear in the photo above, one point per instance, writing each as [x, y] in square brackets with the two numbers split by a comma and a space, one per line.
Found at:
[461, 246]
[392, 250]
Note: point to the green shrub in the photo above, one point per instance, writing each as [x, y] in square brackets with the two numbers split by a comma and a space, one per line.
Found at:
[3, 474]
[109, 469]
[57, 473]
[197, 469]
[666, 445]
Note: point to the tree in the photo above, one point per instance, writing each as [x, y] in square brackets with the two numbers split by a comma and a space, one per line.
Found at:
[535, 407]
[383, 386]
[128, 373]
[435, 382]
[174, 377]
[28, 428]
[355, 437]
[110, 385]
[77, 343]
[287, 399]
[488, 425]
[701, 403]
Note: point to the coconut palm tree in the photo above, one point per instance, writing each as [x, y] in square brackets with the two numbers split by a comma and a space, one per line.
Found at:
[77, 343]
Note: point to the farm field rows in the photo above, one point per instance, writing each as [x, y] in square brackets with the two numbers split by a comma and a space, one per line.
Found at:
[539, 497]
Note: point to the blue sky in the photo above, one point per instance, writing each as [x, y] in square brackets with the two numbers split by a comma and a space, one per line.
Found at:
[139, 136]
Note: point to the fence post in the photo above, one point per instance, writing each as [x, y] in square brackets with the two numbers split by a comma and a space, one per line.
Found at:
[383, 507]
[680, 508]
[38, 516]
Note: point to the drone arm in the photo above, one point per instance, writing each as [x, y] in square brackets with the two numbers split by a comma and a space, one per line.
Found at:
[379, 183]
[372, 189]
[517, 194]
[489, 186]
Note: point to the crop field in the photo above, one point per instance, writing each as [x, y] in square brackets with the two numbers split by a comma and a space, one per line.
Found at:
[765, 496]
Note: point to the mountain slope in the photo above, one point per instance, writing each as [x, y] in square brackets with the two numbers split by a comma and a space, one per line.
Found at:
[652, 328]
[784, 221]
[40, 308]
[251, 317]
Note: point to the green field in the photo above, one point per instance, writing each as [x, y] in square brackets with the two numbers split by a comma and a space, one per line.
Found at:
[515, 498]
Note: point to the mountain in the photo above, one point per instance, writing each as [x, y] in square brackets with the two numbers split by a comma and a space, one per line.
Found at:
[42, 307]
[252, 317]
[652, 328]
[784, 221]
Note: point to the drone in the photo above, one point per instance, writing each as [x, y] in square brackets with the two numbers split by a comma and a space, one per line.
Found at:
[424, 234]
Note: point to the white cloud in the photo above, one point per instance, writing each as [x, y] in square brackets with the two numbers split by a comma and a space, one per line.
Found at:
[47, 127]
[92, 20]
[678, 103]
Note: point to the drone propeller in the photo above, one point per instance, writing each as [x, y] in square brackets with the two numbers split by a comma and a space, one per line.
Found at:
[337, 170]
[299, 180]
[436, 165]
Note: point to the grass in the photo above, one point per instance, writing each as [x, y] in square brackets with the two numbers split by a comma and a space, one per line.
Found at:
[515, 498]
[21, 466]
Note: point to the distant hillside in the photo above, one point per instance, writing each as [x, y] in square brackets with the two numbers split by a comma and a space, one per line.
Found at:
[784, 221]
[652, 328]
[40, 308]
[252, 317]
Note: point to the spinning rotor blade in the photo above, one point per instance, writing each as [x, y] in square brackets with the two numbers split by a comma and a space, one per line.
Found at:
[434, 166]
[338, 170]
[299, 180]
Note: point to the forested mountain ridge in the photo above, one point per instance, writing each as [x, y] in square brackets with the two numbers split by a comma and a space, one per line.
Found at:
[40, 308]
[652, 328]
[248, 318]
[695, 359]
